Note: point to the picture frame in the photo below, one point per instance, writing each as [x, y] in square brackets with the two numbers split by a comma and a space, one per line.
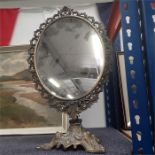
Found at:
[123, 89]
[22, 109]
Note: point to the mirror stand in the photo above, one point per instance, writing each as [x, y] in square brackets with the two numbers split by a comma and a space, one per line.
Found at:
[76, 136]
[70, 59]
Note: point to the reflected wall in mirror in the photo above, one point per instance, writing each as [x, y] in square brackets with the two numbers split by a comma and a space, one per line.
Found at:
[70, 58]
[75, 53]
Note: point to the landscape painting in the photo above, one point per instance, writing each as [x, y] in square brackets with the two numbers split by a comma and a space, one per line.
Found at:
[21, 106]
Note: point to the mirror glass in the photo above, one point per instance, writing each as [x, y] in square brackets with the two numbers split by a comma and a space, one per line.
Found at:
[69, 58]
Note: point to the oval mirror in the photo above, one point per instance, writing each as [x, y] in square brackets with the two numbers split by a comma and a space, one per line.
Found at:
[69, 58]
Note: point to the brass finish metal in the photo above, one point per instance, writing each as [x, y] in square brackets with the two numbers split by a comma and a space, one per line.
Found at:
[75, 136]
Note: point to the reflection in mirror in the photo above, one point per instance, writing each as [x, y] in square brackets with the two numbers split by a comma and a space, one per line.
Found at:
[69, 58]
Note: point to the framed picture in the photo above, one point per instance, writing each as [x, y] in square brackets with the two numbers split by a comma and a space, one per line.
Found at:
[22, 109]
[123, 89]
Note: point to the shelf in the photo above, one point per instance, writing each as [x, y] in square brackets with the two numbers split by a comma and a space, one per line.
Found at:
[114, 142]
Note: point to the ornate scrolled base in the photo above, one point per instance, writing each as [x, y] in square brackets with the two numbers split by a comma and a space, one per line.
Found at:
[75, 136]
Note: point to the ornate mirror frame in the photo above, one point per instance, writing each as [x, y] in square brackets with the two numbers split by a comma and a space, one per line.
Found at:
[76, 134]
[72, 107]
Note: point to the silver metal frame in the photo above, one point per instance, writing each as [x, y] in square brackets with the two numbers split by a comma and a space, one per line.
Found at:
[72, 107]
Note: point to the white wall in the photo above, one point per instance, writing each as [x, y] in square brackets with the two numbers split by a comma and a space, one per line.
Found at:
[95, 115]
[27, 22]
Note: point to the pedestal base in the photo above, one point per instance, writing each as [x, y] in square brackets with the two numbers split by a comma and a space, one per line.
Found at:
[76, 135]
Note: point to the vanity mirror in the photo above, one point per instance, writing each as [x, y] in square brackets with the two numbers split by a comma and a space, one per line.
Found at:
[69, 58]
